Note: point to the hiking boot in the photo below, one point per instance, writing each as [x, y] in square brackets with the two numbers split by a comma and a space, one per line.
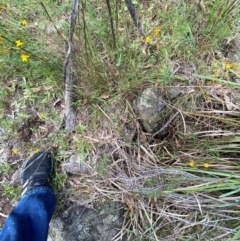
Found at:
[36, 171]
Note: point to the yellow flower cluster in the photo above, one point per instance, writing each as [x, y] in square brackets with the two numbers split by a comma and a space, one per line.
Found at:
[24, 57]
[193, 164]
[37, 150]
[18, 43]
[233, 66]
[24, 22]
[15, 151]
[228, 66]
[153, 37]
[42, 115]
[157, 32]
[206, 165]
[148, 40]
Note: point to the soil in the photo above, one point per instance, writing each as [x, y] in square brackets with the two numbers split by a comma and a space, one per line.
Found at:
[5, 207]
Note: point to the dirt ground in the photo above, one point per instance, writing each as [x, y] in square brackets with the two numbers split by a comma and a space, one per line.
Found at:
[5, 207]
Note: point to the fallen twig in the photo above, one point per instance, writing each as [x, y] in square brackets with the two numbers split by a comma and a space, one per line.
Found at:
[3, 215]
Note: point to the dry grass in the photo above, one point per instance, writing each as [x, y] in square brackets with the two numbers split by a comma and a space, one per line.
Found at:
[166, 199]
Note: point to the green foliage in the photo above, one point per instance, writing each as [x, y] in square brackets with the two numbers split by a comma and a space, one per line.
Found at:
[11, 193]
[5, 168]
[102, 168]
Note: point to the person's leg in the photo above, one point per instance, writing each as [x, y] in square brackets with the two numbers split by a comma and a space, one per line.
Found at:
[30, 219]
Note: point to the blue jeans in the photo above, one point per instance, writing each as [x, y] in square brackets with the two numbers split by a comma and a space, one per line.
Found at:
[30, 219]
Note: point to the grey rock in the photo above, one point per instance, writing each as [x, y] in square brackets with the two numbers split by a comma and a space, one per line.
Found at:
[16, 178]
[80, 223]
[172, 93]
[149, 106]
[76, 165]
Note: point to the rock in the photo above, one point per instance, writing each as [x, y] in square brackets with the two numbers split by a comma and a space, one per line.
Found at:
[80, 223]
[173, 92]
[16, 178]
[149, 106]
[75, 165]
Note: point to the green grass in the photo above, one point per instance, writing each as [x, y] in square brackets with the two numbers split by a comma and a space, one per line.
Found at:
[183, 187]
[11, 193]
[5, 168]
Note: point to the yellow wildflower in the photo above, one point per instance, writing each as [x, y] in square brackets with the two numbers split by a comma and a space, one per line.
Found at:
[19, 43]
[24, 22]
[42, 115]
[158, 46]
[206, 165]
[228, 66]
[15, 151]
[148, 39]
[24, 57]
[191, 164]
[157, 32]
[37, 150]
